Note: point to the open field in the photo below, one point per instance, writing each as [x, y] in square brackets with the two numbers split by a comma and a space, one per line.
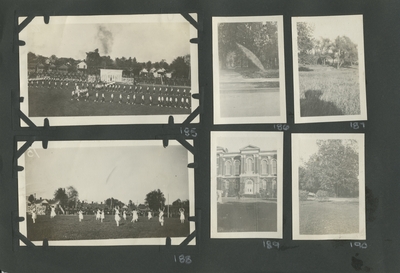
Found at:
[51, 102]
[68, 227]
[335, 217]
[329, 91]
[247, 217]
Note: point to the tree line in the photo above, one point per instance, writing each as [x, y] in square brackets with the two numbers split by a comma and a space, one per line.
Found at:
[68, 198]
[130, 66]
[340, 52]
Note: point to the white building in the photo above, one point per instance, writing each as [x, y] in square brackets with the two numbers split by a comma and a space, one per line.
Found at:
[81, 65]
[111, 75]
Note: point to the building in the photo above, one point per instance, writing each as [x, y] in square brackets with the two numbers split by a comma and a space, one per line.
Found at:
[111, 75]
[249, 172]
[81, 66]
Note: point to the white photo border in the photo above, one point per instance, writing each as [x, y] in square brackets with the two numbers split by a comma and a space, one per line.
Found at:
[105, 242]
[112, 119]
[214, 234]
[361, 235]
[282, 89]
[296, 85]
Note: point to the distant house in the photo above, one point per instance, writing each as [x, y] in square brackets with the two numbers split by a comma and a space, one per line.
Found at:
[143, 71]
[81, 66]
[40, 68]
[63, 69]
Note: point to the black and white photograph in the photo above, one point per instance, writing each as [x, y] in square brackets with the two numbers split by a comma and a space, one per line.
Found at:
[328, 187]
[246, 184]
[116, 69]
[248, 70]
[99, 193]
[328, 68]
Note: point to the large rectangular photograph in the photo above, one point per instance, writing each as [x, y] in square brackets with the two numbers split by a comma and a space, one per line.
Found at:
[246, 184]
[99, 193]
[248, 70]
[328, 68]
[125, 69]
[328, 187]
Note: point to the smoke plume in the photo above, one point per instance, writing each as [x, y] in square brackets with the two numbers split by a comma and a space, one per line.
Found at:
[106, 38]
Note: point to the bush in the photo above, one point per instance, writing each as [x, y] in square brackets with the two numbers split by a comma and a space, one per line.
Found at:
[303, 68]
[322, 196]
[303, 195]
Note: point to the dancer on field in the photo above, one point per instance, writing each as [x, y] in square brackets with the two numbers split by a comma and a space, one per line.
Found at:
[34, 216]
[134, 216]
[102, 216]
[80, 213]
[98, 214]
[149, 216]
[117, 217]
[124, 215]
[53, 212]
[161, 217]
[182, 217]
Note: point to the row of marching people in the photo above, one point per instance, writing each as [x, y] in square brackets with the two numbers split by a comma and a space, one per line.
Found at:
[147, 98]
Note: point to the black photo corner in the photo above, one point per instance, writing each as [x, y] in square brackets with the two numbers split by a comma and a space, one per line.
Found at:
[224, 136]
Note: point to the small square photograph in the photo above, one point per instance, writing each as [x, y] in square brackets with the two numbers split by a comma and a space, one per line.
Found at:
[248, 70]
[116, 69]
[100, 193]
[328, 69]
[328, 187]
[246, 184]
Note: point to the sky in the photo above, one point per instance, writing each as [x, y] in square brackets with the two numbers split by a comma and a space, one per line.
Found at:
[125, 172]
[152, 41]
[333, 26]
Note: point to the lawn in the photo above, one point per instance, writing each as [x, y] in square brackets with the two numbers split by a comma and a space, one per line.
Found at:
[318, 218]
[68, 227]
[338, 88]
[52, 102]
[247, 217]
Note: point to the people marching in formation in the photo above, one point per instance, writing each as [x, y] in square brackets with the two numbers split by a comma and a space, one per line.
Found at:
[139, 94]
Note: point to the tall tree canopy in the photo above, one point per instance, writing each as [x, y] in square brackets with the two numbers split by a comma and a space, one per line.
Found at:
[345, 51]
[305, 40]
[261, 38]
[61, 195]
[334, 168]
[155, 200]
[73, 196]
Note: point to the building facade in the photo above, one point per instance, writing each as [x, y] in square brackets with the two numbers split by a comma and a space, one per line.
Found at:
[249, 172]
[111, 75]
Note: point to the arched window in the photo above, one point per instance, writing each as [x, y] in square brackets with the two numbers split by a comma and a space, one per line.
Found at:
[249, 165]
[269, 168]
[237, 167]
[228, 166]
[264, 167]
[249, 187]
[273, 166]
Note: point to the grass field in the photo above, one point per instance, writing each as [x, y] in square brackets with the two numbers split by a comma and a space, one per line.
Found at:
[339, 89]
[68, 227]
[318, 218]
[247, 217]
[49, 102]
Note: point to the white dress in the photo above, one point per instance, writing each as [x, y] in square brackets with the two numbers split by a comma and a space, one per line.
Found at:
[149, 215]
[124, 215]
[98, 215]
[117, 217]
[182, 215]
[102, 215]
[81, 216]
[53, 212]
[34, 216]
[134, 216]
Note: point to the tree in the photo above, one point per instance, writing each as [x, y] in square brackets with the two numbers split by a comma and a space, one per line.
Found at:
[334, 168]
[155, 200]
[180, 67]
[304, 37]
[61, 196]
[72, 196]
[344, 51]
[93, 60]
[31, 198]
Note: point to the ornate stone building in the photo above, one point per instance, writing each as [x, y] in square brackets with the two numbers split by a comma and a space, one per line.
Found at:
[249, 172]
